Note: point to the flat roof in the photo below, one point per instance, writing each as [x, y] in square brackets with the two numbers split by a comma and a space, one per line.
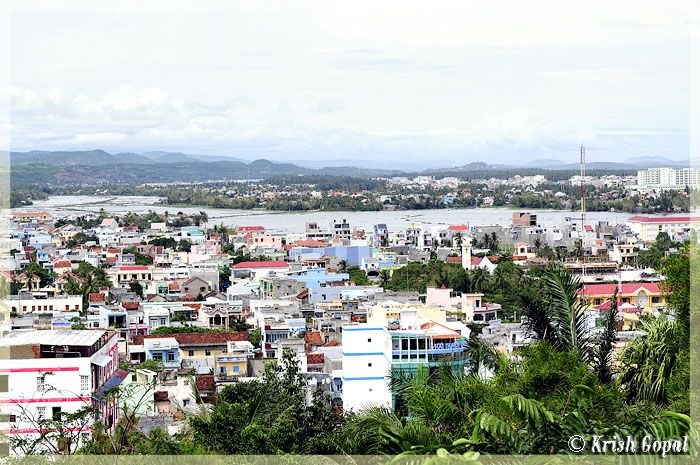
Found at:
[62, 337]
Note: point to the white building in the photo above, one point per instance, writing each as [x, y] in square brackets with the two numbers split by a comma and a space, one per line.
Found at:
[648, 227]
[668, 178]
[366, 367]
[40, 302]
[47, 374]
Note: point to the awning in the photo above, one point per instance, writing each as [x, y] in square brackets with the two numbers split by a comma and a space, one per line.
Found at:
[101, 360]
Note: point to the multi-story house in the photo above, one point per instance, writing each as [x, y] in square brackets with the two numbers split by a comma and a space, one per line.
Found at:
[50, 374]
[373, 354]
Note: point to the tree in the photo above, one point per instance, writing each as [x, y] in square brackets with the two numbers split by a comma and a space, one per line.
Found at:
[555, 313]
[384, 277]
[86, 280]
[458, 239]
[343, 266]
[136, 288]
[184, 245]
[357, 276]
[604, 356]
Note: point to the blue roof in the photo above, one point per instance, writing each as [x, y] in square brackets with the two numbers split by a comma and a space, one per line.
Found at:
[114, 381]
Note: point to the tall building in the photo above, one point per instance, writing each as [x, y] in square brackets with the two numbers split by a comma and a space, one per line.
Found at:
[373, 354]
[524, 219]
[47, 375]
[668, 178]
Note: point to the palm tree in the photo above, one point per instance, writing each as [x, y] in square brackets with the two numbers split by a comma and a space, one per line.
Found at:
[481, 356]
[478, 280]
[603, 356]
[537, 244]
[384, 278]
[555, 314]
[648, 362]
[458, 239]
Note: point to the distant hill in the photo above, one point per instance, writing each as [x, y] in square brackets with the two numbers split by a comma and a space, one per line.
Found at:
[45, 168]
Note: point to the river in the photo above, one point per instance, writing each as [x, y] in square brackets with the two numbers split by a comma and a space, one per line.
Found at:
[294, 222]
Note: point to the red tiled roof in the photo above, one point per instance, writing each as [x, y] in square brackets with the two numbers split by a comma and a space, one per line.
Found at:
[250, 228]
[663, 219]
[313, 338]
[310, 243]
[133, 268]
[588, 227]
[96, 297]
[111, 260]
[174, 286]
[266, 264]
[62, 264]
[458, 227]
[129, 305]
[315, 359]
[454, 259]
[185, 339]
[626, 288]
[332, 343]
[160, 396]
[205, 382]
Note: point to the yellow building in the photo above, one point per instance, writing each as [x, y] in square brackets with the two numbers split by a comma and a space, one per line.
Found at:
[235, 361]
[390, 310]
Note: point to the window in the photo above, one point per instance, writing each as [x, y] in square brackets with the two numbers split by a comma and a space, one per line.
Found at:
[84, 383]
[162, 321]
[171, 356]
[369, 339]
[655, 300]
[40, 413]
[222, 370]
[207, 352]
[4, 383]
[185, 402]
[40, 384]
[236, 369]
[56, 413]
[158, 356]
[12, 418]
[369, 364]
[190, 353]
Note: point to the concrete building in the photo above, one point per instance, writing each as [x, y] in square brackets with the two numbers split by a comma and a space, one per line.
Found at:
[648, 227]
[668, 179]
[48, 374]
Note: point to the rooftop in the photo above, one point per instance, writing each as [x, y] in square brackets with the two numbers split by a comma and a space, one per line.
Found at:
[53, 337]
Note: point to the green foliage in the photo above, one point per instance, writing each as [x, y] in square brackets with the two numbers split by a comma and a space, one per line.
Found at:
[270, 416]
[357, 276]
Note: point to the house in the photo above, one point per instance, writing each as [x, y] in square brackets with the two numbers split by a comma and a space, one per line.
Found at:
[233, 362]
[54, 373]
[256, 270]
[484, 263]
[195, 286]
[163, 349]
[645, 296]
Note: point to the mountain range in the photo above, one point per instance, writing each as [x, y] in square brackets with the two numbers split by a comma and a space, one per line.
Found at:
[40, 168]
[100, 157]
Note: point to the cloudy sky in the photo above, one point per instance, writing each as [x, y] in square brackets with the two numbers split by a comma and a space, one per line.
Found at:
[415, 82]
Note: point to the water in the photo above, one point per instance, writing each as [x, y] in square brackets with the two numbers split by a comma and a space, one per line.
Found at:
[294, 222]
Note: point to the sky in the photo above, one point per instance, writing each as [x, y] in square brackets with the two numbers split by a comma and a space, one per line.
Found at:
[402, 82]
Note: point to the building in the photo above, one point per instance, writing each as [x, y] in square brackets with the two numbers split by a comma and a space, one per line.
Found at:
[340, 229]
[648, 227]
[373, 354]
[40, 302]
[234, 362]
[55, 373]
[645, 296]
[524, 219]
[163, 349]
[668, 179]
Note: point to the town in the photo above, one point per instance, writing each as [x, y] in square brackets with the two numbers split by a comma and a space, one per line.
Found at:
[169, 328]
